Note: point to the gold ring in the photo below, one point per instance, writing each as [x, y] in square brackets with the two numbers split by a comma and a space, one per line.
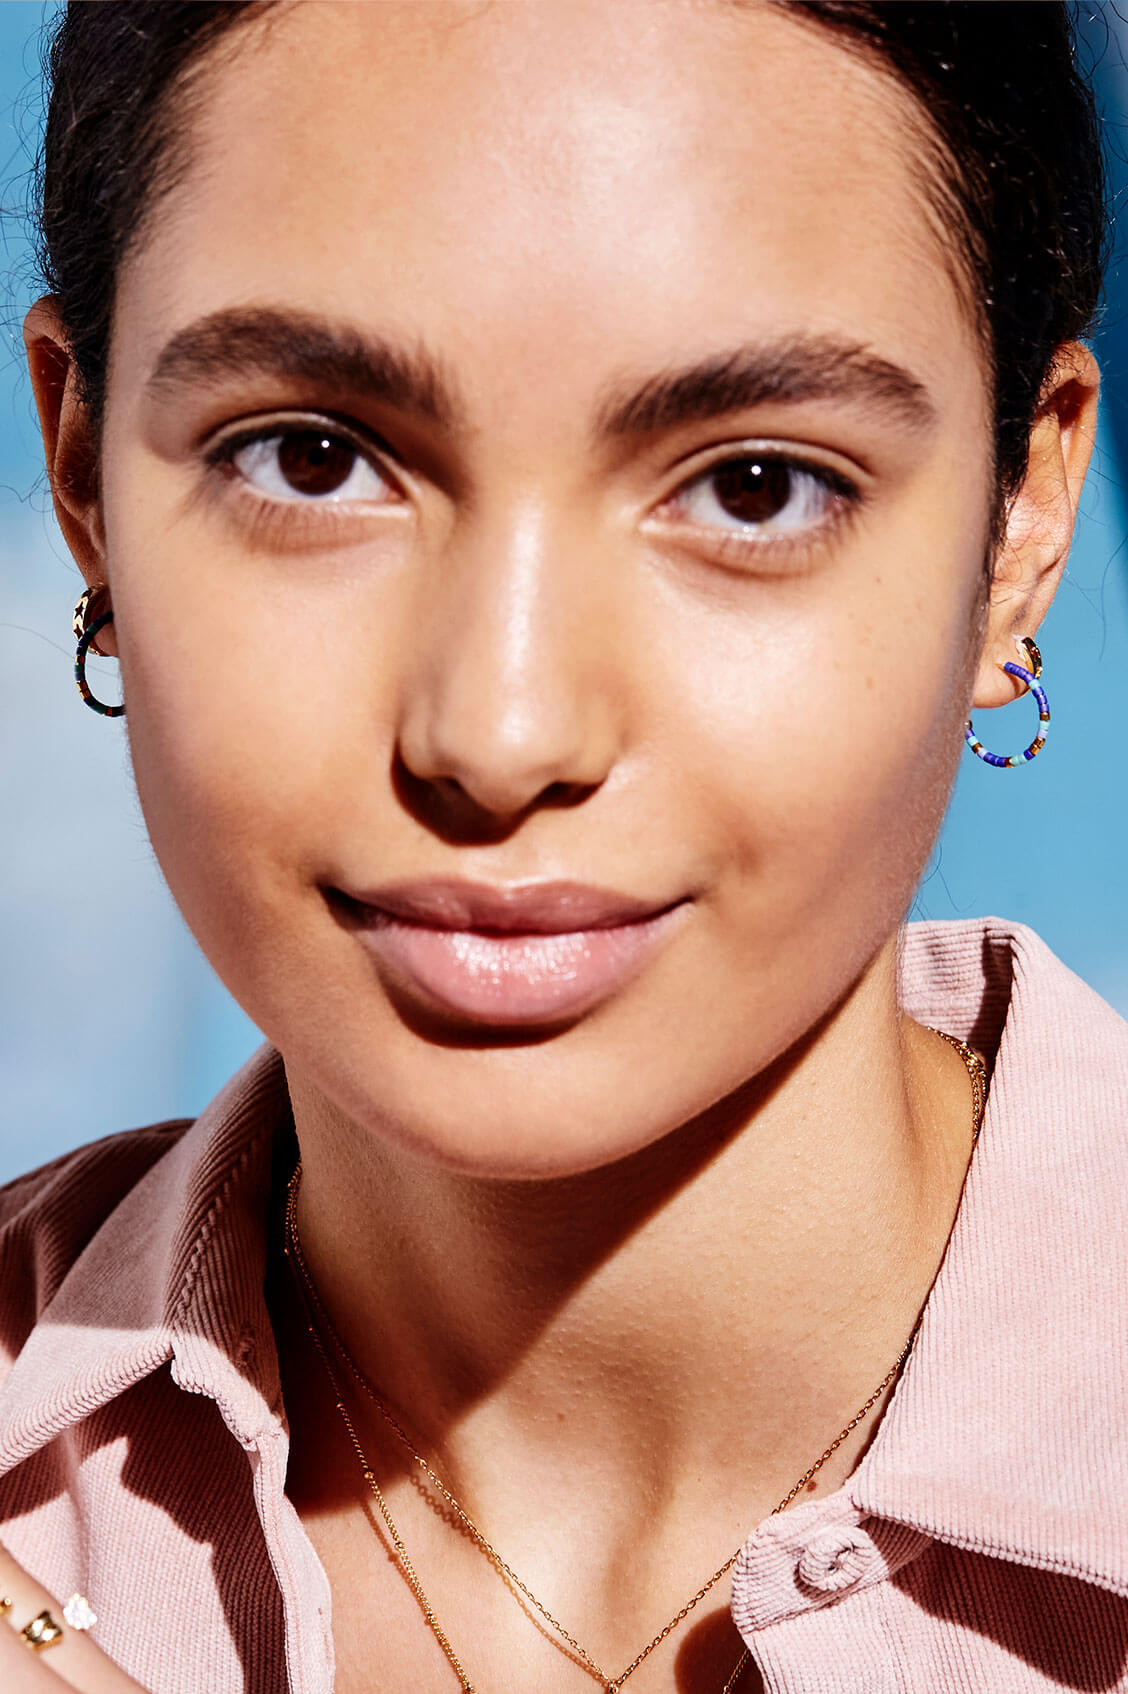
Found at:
[5, 1604]
[42, 1632]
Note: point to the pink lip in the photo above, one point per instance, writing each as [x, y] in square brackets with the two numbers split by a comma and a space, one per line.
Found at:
[515, 955]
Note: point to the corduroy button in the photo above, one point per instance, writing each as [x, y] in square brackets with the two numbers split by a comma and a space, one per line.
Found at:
[815, 1555]
[836, 1559]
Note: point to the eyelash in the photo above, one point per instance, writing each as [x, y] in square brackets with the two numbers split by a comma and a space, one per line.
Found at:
[842, 495]
[221, 456]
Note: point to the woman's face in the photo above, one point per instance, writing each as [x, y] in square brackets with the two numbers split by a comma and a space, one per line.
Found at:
[644, 553]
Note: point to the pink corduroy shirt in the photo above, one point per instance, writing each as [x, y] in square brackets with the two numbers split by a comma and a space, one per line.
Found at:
[981, 1543]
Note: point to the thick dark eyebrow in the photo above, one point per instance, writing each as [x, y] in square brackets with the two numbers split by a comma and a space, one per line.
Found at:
[267, 341]
[789, 371]
[264, 341]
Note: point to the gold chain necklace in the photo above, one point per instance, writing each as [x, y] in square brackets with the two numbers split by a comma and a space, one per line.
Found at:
[611, 1685]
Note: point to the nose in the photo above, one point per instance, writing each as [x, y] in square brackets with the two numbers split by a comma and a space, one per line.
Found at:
[511, 698]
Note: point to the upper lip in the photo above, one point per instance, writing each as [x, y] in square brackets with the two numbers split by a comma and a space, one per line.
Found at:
[536, 908]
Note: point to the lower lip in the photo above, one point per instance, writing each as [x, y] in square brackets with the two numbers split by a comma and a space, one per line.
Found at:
[514, 979]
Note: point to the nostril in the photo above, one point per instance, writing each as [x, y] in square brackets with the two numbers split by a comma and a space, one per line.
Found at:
[449, 808]
[445, 807]
[565, 793]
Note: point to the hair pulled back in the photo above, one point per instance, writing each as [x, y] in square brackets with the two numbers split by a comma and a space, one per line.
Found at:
[1016, 176]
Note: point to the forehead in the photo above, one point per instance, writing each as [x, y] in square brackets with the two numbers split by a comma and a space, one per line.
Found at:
[572, 182]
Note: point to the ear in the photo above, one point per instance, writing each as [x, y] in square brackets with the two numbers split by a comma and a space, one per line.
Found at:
[69, 444]
[1040, 519]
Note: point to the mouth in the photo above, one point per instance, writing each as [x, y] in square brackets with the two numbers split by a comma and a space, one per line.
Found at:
[525, 954]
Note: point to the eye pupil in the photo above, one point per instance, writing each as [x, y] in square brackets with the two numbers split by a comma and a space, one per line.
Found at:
[315, 463]
[753, 491]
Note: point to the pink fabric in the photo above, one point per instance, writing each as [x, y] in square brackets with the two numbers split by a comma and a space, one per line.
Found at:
[981, 1544]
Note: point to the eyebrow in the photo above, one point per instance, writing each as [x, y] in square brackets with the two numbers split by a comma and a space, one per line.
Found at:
[263, 341]
[796, 369]
[267, 341]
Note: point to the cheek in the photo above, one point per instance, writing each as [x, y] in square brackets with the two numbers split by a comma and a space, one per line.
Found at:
[821, 737]
[217, 770]
[252, 733]
[248, 684]
[253, 757]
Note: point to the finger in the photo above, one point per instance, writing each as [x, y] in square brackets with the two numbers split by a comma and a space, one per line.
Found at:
[74, 1661]
[23, 1672]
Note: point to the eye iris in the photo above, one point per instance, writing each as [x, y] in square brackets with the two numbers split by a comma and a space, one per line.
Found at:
[314, 463]
[753, 491]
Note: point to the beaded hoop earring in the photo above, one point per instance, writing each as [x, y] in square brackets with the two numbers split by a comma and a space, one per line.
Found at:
[86, 633]
[1030, 678]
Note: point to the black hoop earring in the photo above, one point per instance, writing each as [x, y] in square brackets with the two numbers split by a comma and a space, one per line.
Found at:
[86, 633]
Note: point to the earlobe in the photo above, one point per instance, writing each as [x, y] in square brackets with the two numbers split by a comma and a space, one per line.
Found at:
[1040, 519]
[68, 437]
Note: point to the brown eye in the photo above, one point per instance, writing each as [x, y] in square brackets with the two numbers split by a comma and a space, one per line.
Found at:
[304, 466]
[314, 463]
[753, 490]
[760, 496]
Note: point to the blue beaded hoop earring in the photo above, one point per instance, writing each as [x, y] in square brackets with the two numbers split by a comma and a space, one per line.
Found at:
[86, 633]
[1030, 678]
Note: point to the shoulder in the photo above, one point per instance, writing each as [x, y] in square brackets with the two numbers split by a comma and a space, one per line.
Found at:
[48, 1216]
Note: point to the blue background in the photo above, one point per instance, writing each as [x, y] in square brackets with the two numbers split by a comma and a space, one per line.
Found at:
[110, 1016]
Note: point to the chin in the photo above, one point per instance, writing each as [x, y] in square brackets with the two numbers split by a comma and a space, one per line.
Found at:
[577, 1100]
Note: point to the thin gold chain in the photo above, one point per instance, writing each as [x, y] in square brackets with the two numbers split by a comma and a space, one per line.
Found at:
[612, 1685]
[977, 1071]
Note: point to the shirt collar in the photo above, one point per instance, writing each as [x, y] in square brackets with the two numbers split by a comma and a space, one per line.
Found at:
[174, 1275]
[1008, 1432]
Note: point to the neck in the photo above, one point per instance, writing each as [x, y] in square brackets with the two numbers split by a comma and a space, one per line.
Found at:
[652, 1320]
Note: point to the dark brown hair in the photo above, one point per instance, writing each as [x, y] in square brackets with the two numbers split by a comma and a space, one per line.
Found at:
[1017, 174]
